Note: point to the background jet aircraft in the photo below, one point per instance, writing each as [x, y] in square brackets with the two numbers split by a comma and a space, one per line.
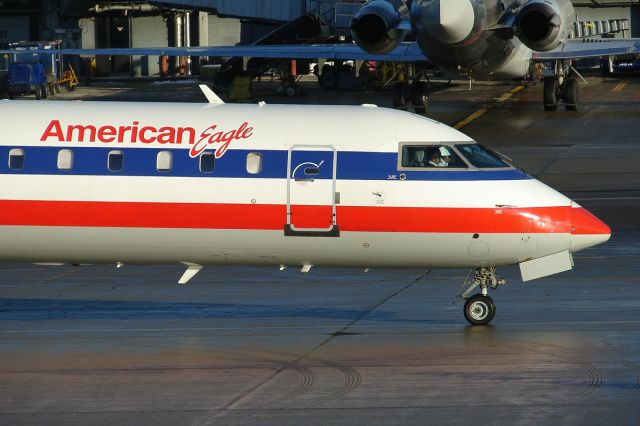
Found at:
[483, 39]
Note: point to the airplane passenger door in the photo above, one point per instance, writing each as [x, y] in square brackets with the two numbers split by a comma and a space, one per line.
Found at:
[311, 191]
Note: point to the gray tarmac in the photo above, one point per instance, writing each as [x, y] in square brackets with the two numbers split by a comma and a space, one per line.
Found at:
[257, 346]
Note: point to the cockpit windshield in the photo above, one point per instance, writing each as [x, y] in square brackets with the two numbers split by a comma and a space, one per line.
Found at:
[480, 157]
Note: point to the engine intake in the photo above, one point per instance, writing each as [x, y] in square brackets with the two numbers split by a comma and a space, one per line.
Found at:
[544, 25]
[375, 27]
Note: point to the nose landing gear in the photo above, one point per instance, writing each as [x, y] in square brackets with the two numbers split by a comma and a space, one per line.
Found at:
[480, 308]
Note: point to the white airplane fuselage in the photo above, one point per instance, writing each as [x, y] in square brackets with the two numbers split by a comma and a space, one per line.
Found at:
[100, 182]
[484, 39]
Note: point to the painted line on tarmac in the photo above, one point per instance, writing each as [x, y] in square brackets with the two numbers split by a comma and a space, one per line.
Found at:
[483, 110]
[475, 115]
[620, 86]
[510, 93]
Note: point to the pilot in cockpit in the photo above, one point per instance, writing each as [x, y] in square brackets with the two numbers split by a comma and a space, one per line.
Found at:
[440, 157]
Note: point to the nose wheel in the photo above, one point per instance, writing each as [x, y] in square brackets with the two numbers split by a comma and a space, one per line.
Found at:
[479, 309]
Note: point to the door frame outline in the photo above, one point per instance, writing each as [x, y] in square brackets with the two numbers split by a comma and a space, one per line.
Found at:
[289, 228]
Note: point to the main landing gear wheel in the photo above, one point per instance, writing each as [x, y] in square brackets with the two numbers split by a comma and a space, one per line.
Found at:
[479, 309]
[550, 94]
[571, 94]
[416, 94]
[328, 80]
[400, 96]
[562, 87]
[419, 97]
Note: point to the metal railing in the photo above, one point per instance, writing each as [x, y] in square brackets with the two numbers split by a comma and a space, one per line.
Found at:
[583, 29]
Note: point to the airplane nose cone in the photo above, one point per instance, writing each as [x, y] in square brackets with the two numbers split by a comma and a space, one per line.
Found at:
[586, 229]
[449, 21]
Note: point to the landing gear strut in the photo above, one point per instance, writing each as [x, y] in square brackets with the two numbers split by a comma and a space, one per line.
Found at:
[480, 309]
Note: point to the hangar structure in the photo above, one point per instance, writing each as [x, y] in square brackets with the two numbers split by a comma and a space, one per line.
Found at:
[161, 23]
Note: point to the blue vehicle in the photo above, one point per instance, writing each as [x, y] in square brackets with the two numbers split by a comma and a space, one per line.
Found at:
[4, 61]
[621, 64]
[32, 73]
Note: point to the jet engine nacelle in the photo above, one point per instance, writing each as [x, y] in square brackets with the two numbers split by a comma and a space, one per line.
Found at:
[543, 25]
[375, 27]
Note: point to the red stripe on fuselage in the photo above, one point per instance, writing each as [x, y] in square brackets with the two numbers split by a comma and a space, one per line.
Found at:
[273, 217]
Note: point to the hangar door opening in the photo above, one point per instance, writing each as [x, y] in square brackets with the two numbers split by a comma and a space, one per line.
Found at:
[113, 30]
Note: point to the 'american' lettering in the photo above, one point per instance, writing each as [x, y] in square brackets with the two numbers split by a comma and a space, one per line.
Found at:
[214, 137]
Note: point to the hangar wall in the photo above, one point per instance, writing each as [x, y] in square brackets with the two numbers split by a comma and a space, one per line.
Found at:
[223, 31]
[147, 31]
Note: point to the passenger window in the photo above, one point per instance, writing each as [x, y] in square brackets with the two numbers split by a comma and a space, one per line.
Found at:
[16, 159]
[164, 161]
[116, 161]
[254, 163]
[207, 162]
[431, 157]
[65, 159]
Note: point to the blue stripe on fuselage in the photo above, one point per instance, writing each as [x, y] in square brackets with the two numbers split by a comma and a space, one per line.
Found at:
[91, 161]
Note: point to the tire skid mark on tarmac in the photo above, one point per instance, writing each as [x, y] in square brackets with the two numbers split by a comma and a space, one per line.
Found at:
[306, 381]
[635, 369]
[595, 378]
[352, 381]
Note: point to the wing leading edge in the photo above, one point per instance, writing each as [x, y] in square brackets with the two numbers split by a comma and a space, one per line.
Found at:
[590, 48]
[405, 52]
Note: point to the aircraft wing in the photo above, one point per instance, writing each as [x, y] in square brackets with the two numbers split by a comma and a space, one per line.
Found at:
[405, 52]
[589, 48]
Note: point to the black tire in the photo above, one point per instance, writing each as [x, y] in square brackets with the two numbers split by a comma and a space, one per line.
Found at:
[12, 95]
[38, 92]
[70, 87]
[550, 94]
[329, 78]
[420, 97]
[400, 96]
[479, 309]
[571, 94]
[292, 90]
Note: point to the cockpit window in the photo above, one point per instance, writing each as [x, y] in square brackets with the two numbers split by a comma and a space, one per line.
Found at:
[480, 157]
[431, 156]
